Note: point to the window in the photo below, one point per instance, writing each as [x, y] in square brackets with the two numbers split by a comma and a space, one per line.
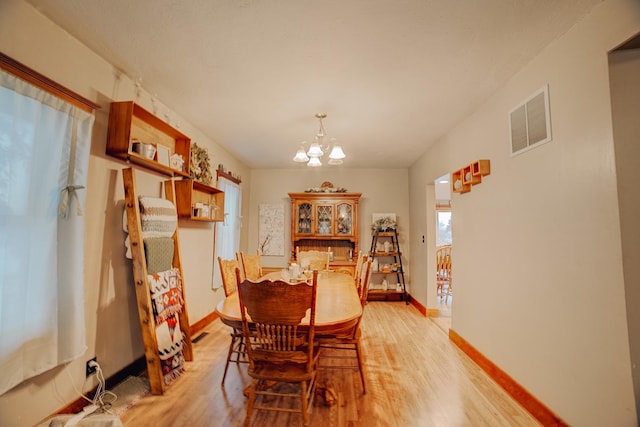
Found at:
[443, 219]
[44, 153]
[228, 232]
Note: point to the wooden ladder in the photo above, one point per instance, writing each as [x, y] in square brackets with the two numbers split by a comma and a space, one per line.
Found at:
[143, 294]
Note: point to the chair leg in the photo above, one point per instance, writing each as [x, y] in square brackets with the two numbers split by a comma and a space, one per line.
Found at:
[251, 402]
[226, 366]
[303, 396]
[241, 349]
[360, 367]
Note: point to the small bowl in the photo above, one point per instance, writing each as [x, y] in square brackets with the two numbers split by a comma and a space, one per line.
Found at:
[148, 151]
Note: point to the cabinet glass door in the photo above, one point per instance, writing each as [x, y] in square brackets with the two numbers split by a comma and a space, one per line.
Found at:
[324, 216]
[345, 219]
[304, 218]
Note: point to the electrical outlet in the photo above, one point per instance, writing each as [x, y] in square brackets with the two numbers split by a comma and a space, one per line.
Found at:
[90, 370]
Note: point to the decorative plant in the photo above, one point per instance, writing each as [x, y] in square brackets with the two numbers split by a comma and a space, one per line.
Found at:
[199, 166]
[384, 224]
[326, 187]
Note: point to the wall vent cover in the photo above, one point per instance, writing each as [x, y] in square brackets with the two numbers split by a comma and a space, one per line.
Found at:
[529, 122]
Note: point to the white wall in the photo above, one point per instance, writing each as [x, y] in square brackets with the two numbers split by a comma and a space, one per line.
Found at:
[624, 74]
[382, 191]
[539, 288]
[113, 332]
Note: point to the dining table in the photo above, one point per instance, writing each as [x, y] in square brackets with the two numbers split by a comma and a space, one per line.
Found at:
[338, 305]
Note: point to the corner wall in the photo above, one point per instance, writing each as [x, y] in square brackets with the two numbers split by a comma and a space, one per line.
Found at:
[624, 69]
[113, 331]
[539, 283]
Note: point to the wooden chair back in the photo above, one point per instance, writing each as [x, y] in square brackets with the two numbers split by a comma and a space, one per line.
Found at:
[316, 260]
[443, 270]
[228, 269]
[443, 263]
[359, 261]
[251, 266]
[272, 312]
[364, 277]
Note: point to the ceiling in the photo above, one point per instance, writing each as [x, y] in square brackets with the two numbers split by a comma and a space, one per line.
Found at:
[391, 75]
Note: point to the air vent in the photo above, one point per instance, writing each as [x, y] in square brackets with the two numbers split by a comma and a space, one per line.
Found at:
[529, 122]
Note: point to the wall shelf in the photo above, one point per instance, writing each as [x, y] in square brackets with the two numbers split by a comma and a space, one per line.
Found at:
[227, 175]
[129, 122]
[199, 202]
[464, 178]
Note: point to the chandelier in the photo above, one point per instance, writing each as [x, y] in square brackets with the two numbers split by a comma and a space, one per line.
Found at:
[320, 145]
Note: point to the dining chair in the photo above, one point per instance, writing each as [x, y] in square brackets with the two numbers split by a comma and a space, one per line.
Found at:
[228, 269]
[334, 346]
[443, 272]
[313, 259]
[251, 266]
[360, 260]
[279, 351]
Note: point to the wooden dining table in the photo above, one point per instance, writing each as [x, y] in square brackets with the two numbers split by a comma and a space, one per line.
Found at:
[337, 303]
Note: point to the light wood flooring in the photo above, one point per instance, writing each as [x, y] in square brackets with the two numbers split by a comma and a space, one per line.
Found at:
[415, 376]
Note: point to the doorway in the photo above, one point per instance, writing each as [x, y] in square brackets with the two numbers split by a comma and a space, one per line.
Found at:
[444, 238]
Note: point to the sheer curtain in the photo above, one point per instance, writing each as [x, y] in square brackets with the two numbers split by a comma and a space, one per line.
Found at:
[44, 154]
[228, 232]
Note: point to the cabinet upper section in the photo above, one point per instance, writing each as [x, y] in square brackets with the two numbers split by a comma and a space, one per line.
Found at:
[324, 216]
[137, 136]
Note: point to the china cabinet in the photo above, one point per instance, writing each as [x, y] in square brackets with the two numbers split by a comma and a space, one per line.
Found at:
[326, 221]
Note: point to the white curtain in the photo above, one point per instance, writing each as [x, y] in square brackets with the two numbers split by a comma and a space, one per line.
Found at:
[228, 232]
[44, 154]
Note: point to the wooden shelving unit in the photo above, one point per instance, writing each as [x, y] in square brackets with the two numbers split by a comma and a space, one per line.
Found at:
[227, 175]
[191, 193]
[392, 258]
[464, 178]
[129, 122]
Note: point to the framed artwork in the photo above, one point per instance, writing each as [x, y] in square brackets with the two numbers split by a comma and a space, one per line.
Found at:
[163, 155]
[271, 229]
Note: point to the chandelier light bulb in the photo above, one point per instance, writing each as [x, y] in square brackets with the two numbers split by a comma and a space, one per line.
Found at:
[337, 153]
[301, 156]
[314, 162]
[315, 150]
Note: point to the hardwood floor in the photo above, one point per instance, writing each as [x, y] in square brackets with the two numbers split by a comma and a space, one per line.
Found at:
[415, 377]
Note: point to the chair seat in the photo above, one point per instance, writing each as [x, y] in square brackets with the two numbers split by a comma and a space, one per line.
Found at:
[346, 336]
[286, 372]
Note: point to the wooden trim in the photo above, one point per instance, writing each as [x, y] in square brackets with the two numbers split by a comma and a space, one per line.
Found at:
[25, 73]
[203, 323]
[227, 175]
[433, 312]
[421, 308]
[536, 408]
[315, 196]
